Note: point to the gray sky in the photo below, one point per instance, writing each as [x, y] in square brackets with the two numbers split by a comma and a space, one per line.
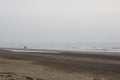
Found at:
[59, 21]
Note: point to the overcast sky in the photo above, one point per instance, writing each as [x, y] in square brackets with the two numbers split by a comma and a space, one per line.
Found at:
[40, 21]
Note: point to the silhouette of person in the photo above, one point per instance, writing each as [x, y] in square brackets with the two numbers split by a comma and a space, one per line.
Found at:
[25, 47]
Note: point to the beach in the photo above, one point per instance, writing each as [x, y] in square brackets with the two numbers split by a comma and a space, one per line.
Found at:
[60, 65]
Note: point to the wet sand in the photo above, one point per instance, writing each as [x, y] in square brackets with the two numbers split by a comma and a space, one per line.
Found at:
[62, 66]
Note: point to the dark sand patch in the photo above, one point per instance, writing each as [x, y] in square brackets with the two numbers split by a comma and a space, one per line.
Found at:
[14, 76]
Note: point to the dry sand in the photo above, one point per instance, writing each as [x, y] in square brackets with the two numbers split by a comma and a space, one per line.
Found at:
[64, 66]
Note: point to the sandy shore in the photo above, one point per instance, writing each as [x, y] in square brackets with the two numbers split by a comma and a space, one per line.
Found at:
[62, 66]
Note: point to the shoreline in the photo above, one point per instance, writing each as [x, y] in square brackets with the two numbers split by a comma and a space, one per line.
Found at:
[69, 51]
[17, 50]
[84, 50]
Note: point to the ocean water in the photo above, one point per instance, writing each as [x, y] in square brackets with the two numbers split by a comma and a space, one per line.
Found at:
[99, 47]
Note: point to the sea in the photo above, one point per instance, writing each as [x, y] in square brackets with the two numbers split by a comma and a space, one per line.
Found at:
[95, 47]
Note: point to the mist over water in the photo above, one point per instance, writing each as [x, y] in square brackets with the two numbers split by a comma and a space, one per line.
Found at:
[37, 23]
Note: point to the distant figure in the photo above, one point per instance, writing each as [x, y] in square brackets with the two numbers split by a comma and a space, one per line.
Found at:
[25, 47]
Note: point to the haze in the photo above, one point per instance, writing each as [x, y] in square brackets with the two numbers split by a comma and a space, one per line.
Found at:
[40, 21]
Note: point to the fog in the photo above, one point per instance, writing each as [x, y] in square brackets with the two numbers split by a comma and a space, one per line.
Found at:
[44, 21]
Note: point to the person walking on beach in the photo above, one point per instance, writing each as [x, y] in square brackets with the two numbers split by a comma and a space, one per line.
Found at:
[25, 47]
